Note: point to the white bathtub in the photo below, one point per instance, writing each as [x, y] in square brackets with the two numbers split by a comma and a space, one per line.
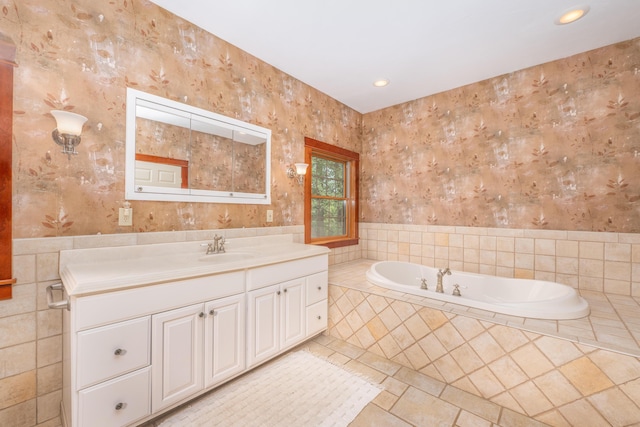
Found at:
[536, 299]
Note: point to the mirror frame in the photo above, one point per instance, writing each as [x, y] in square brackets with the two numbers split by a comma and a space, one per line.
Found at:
[138, 192]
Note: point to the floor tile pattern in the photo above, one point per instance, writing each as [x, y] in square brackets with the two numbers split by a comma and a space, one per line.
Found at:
[518, 364]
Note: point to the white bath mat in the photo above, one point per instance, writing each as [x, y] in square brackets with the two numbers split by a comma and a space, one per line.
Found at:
[299, 389]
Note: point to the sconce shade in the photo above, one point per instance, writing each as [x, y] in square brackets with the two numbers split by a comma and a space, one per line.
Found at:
[68, 123]
[301, 168]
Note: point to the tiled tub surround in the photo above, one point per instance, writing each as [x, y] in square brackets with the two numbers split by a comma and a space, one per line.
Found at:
[590, 261]
[31, 333]
[516, 363]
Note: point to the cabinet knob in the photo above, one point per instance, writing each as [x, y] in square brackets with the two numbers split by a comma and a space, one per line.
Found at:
[285, 289]
[120, 406]
[319, 288]
[120, 352]
[212, 312]
[201, 314]
[278, 293]
[319, 317]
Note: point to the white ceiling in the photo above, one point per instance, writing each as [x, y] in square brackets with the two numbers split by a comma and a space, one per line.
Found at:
[422, 46]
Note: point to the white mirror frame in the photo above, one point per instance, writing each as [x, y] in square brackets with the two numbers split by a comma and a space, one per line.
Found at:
[138, 192]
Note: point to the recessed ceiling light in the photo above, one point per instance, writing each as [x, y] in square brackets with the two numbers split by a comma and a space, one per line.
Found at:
[381, 83]
[572, 15]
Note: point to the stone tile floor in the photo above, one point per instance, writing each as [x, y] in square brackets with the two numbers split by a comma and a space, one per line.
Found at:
[411, 398]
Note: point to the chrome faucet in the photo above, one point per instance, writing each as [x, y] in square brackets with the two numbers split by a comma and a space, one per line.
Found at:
[441, 273]
[217, 246]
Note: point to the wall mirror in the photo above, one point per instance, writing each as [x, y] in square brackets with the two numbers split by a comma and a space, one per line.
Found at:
[176, 152]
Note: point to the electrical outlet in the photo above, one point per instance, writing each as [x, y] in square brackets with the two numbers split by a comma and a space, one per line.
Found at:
[125, 217]
[269, 215]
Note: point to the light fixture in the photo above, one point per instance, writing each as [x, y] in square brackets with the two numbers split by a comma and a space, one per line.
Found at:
[299, 172]
[381, 82]
[68, 130]
[572, 15]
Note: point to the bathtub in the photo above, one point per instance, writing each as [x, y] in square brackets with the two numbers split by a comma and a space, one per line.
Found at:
[535, 299]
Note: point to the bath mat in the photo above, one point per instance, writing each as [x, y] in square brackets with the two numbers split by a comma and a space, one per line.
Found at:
[298, 389]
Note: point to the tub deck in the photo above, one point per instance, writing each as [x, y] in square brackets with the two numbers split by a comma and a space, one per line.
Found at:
[613, 324]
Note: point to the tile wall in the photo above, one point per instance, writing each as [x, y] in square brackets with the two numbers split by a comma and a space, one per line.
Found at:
[31, 333]
[594, 261]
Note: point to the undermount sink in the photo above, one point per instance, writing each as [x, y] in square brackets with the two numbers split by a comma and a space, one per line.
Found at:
[227, 257]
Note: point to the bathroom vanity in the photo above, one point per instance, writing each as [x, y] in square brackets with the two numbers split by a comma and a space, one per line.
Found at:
[149, 327]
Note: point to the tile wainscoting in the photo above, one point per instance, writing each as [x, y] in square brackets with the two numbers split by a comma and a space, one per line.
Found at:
[592, 261]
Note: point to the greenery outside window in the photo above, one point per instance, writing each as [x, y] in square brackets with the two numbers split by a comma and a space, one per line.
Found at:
[331, 195]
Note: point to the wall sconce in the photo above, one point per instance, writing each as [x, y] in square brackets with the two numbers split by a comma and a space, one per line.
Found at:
[299, 172]
[68, 130]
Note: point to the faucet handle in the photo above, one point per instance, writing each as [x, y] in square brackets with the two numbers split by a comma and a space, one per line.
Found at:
[221, 244]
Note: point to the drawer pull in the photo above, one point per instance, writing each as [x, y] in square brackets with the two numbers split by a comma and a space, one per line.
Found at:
[285, 289]
[319, 317]
[201, 314]
[120, 352]
[278, 293]
[212, 312]
[120, 406]
[319, 288]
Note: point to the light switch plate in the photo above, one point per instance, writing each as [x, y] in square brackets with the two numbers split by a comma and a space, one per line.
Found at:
[269, 215]
[125, 217]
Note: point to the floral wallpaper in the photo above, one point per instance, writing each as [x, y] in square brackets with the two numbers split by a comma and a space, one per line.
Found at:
[81, 55]
[556, 146]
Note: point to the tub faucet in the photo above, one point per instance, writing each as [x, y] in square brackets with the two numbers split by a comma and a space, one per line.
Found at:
[440, 274]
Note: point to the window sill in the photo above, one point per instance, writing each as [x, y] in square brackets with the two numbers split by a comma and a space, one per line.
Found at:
[337, 243]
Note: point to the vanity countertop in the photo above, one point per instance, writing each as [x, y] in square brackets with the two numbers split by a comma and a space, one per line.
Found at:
[97, 270]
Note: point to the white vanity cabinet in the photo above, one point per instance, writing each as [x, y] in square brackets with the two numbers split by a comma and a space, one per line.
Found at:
[317, 307]
[196, 347]
[276, 319]
[224, 339]
[277, 314]
[140, 338]
[177, 355]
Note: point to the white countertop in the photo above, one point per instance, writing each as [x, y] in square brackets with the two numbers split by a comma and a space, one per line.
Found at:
[96, 270]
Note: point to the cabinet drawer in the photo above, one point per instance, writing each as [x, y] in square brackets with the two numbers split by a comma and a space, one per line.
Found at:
[317, 317]
[117, 402]
[112, 350]
[317, 287]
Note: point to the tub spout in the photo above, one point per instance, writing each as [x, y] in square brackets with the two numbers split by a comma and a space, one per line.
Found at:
[441, 273]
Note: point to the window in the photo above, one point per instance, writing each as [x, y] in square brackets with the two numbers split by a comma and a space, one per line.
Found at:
[331, 195]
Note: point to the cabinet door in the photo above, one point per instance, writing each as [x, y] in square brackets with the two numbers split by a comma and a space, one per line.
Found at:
[177, 355]
[224, 339]
[264, 324]
[292, 323]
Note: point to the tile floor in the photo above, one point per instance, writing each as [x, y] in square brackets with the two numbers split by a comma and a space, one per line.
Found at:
[411, 398]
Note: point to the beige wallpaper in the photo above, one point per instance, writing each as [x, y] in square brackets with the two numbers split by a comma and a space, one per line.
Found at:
[555, 146]
[81, 55]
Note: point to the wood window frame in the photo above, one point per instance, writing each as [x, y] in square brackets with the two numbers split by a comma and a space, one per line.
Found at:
[311, 147]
